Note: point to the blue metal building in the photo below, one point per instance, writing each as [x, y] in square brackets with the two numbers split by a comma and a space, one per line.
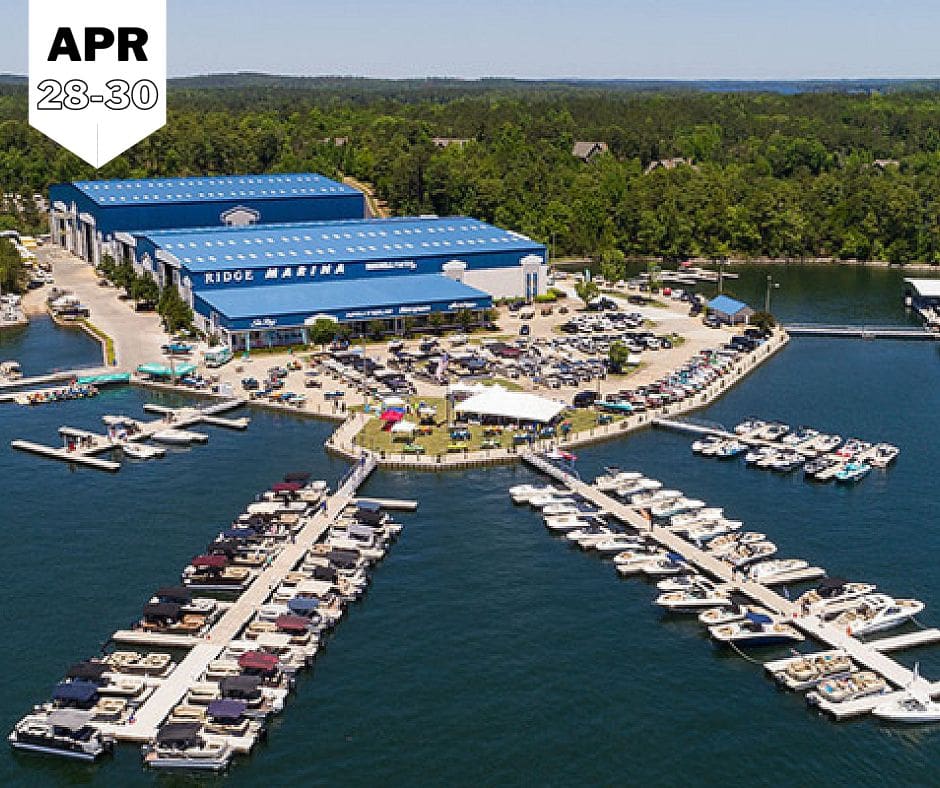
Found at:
[262, 285]
[91, 218]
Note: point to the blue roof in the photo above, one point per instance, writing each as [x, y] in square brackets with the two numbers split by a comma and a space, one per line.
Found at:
[728, 306]
[156, 191]
[383, 241]
[312, 298]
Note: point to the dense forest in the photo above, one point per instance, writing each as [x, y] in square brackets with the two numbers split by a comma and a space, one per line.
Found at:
[771, 175]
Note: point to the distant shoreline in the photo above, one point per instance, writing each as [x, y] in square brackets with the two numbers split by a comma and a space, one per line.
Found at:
[735, 262]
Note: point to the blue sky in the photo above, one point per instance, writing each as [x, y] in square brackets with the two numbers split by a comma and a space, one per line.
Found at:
[679, 39]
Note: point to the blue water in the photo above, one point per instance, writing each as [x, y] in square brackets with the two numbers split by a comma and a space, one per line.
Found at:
[43, 347]
[487, 651]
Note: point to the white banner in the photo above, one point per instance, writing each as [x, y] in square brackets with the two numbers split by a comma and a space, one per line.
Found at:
[97, 73]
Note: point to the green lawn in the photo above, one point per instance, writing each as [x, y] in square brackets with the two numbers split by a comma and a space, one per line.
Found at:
[373, 437]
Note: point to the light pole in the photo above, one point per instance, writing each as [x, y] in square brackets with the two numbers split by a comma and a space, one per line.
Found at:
[771, 285]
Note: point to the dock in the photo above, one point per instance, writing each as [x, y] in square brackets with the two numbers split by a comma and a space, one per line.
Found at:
[912, 333]
[53, 377]
[864, 654]
[718, 431]
[82, 447]
[210, 646]
[390, 504]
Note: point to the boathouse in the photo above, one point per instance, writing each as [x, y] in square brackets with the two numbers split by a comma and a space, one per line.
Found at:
[729, 310]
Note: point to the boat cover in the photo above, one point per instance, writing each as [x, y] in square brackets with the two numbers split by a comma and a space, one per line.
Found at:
[240, 686]
[759, 618]
[75, 691]
[288, 487]
[209, 562]
[92, 671]
[226, 709]
[239, 533]
[289, 623]
[831, 586]
[258, 660]
[325, 573]
[674, 557]
[226, 547]
[162, 610]
[304, 605]
[369, 506]
[298, 476]
[179, 733]
[174, 594]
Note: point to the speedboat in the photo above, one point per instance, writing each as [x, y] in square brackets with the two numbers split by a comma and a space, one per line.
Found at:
[684, 582]
[706, 445]
[522, 493]
[654, 498]
[616, 544]
[744, 554]
[639, 486]
[613, 479]
[66, 733]
[882, 455]
[814, 466]
[755, 629]
[564, 523]
[591, 533]
[631, 562]
[769, 459]
[749, 426]
[555, 509]
[731, 449]
[833, 596]
[137, 451]
[915, 706]
[799, 436]
[737, 610]
[877, 612]
[677, 506]
[852, 472]
[725, 542]
[541, 501]
[774, 431]
[826, 443]
[775, 570]
[759, 454]
[840, 689]
[804, 672]
[680, 522]
[670, 564]
[692, 600]
[787, 462]
[706, 531]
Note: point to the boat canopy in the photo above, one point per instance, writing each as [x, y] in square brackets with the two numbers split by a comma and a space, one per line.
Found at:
[91, 671]
[162, 610]
[240, 686]
[75, 691]
[369, 506]
[831, 586]
[226, 709]
[325, 573]
[209, 562]
[163, 371]
[759, 618]
[289, 623]
[105, 380]
[224, 547]
[179, 594]
[239, 533]
[70, 719]
[179, 733]
[674, 557]
[258, 660]
[303, 605]
[287, 487]
[298, 476]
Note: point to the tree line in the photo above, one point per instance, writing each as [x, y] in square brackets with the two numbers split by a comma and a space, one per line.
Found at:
[782, 176]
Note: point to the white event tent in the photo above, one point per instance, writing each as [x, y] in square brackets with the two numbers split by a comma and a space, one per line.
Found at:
[514, 405]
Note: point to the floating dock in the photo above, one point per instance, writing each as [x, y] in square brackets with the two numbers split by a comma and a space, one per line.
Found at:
[87, 445]
[910, 333]
[864, 654]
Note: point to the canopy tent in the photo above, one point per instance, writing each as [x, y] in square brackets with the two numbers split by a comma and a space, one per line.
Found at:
[393, 402]
[75, 692]
[226, 709]
[164, 371]
[391, 416]
[514, 405]
[404, 428]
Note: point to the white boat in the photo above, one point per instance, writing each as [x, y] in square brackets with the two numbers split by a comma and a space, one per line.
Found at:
[738, 610]
[692, 600]
[541, 501]
[706, 531]
[668, 509]
[587, 536]
[877, 612]
[755, 630]
[615, 479]
[915, 707]
[654, 498]
[65, 733]
[744, 554]
[826, 443]
[749, 426]
[522, 493]
[833, 596]
[631, 562]
[616, 544]
[684, 582]
[557, 509]
[842, 689]
[140, 451]
[679, 521]
[805, 672]
[725, 542]
[182, 746]
[639, 486]
[768, 572]
[881, 455]
[179, 437]
[565, 522]
[707, 445]
[670, 564]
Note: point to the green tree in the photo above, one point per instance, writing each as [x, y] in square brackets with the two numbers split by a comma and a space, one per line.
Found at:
[377, 329]
[322, 332]
[13, 273]
[763, 320]
[618, 355]
[587, 290]
[145, 290]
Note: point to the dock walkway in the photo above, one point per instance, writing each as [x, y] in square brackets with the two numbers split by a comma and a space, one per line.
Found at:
[867, 655]
[860, 332]
[158, 706]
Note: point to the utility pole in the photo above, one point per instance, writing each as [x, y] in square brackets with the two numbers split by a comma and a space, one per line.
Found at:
[771, 285]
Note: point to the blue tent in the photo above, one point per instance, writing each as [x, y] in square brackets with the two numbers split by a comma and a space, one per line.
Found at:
[730, 310]
[75, 692]
[303, 605]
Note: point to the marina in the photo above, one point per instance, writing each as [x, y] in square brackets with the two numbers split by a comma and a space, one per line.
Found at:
[127, 435]
[784, 620]
[241, 654]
